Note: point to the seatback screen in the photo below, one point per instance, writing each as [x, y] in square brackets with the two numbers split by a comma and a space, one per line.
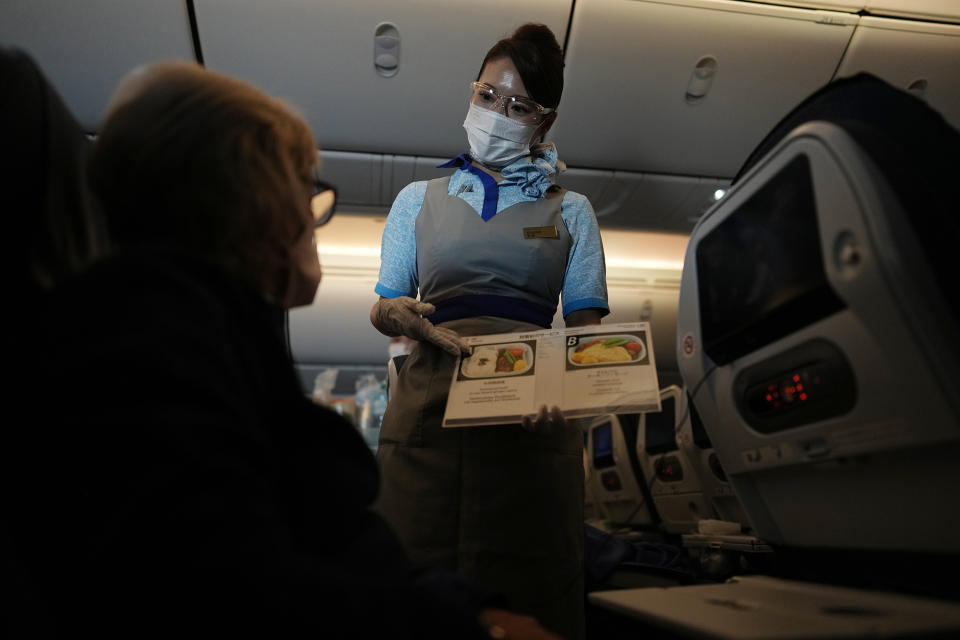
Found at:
[660, 433]
[602, 435]
[760, 272]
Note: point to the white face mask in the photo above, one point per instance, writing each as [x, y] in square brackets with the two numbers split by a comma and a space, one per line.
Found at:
[496, 140]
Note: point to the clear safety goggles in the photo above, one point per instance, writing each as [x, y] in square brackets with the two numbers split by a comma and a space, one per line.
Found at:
[322, 202]
[519, 108]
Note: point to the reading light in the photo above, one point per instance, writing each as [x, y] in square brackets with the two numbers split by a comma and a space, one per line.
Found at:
[718, 194]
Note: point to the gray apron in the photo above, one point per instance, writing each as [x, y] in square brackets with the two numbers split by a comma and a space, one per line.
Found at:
[498, 505]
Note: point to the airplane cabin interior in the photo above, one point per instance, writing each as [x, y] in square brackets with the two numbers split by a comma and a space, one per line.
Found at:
[774, 186]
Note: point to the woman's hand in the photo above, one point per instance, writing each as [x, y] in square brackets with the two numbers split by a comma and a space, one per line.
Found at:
[508, 625]
[403, 316]
[546, 421]
[583, 317]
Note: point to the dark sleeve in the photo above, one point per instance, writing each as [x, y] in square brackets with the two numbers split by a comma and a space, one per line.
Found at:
[209, 495]
[223, 544]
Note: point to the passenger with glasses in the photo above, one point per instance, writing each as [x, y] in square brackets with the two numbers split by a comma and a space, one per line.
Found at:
[491, 249]
[180, 479]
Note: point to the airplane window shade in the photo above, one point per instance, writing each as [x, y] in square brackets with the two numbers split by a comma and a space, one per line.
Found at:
[760, 271]
[603, 446]
[660, 435]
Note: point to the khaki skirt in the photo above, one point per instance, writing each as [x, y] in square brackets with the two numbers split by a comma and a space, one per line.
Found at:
[501, 506]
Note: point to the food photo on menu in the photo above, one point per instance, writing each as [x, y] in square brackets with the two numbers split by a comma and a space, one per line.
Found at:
[498, 360]
[588, 351]
[582, 370]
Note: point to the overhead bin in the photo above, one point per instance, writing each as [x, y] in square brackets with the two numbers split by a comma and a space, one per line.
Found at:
[850, 6]
[378, 76]
[931, 10]
[688, 87]
[936, 10]
[369, 182]
[654, 202]
[921, 57]
[85, 48]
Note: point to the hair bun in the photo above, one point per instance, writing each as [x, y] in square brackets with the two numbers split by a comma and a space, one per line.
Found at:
[539, 34]
[537, 55]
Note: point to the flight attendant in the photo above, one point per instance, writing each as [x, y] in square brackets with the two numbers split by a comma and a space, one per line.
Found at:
[490, 249]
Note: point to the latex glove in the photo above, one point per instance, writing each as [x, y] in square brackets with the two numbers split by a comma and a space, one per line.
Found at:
[546, 421]
[501, 623]
[404, 316]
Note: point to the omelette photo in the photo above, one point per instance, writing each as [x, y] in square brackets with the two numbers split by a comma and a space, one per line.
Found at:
[607, 350]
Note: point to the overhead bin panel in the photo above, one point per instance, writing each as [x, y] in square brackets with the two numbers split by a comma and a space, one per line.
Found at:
[936, 10]
[356, 176]
[589, 182]
[654, 202]
[688, 87]
[850, 6]
[85, 48]
[377, 76]
[922, 57]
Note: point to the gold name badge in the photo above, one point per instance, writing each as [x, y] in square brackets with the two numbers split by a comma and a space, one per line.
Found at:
[540, 232]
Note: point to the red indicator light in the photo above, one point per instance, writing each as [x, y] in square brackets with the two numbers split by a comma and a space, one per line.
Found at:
[799, 387]
[803, 396]
[796, 377]
[769, 397]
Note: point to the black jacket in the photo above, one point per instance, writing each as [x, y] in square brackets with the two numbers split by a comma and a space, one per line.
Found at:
[172, 475]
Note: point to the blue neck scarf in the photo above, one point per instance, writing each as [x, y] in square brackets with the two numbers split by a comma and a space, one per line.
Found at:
[490, 189]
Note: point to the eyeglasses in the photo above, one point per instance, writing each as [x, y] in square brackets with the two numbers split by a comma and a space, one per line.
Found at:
[322, 202]
[519, 108]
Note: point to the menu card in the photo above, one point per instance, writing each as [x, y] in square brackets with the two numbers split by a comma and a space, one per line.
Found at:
[585, 371]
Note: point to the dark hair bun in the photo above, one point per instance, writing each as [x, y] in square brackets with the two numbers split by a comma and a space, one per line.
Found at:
[535, 52]
[538, 34]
